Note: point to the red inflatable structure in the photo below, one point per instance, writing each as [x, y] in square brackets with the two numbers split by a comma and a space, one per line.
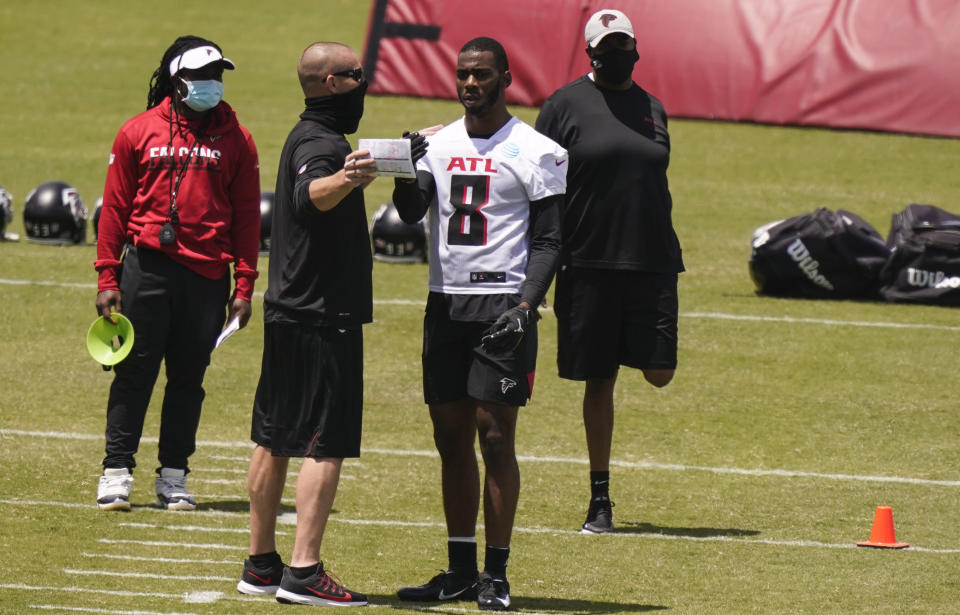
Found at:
[891, 65]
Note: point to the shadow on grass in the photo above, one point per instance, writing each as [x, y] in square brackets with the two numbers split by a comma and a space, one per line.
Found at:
[519, 604]
[633, 527]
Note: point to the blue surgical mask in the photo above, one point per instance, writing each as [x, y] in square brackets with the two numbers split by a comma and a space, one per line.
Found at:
[203, 95]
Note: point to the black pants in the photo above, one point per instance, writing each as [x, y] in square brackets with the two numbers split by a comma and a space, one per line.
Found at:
[176, 316]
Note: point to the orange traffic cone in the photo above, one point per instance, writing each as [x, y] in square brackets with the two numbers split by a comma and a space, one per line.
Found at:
[882, 535]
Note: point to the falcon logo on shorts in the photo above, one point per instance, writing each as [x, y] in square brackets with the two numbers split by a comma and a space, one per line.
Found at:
[506, 384]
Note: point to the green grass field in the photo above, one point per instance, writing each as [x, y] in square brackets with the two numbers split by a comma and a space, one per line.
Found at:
[740, 488]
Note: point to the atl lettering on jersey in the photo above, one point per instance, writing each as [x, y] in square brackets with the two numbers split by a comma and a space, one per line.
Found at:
[471, 164]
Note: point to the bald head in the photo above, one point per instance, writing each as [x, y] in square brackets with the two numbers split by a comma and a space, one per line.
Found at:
[318, 62]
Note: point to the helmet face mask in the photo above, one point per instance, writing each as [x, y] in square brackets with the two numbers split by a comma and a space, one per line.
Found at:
[54, 213]
[394, 240]
[96, 218]
[266, 220]
[6, 211]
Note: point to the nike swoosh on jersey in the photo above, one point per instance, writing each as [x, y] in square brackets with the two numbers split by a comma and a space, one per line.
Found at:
[559, 162]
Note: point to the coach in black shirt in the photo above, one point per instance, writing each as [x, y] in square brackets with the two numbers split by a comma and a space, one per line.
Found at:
[616, 293]
[309, 401]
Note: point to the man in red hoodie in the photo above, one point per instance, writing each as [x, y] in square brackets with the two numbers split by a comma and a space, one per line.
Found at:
[181, 203]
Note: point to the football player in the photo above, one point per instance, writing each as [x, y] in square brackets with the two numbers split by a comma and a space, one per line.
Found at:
[493, 187]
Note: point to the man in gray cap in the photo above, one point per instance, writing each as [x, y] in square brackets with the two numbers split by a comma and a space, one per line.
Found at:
[616, 292]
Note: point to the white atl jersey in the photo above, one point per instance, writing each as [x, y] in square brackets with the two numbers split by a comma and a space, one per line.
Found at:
[479, 224]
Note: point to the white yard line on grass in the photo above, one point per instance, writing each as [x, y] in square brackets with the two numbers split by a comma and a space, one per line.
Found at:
[819, 321]
[14, 282]
[190, 528]
[189, 597]
[638, 465]
[217, 481]
[173, 545]
[240, 480]
[84, 609]
[232, 458]
[162, 560]
[619, 535]
[711, 315]
[241, 472]
[148, 575]
[84, 590]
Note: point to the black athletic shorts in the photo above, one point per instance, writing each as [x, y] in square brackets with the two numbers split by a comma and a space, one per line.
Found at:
[309, 402]
[607, 318]
[455, 366]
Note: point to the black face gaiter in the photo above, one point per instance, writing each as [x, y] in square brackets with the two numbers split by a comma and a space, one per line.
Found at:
[341, 112]
[348, 108]
[616, 65]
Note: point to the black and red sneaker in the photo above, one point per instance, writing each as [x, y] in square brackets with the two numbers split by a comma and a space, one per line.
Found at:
[260, 582]
[319, 589]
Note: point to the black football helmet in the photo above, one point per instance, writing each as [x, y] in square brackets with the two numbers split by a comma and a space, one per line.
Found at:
[6, 211]
[96, 218]
[54, 213]
[396, 241]
[266, 220]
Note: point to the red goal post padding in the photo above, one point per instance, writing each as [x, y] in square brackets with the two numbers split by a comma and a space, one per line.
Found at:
[866, 64]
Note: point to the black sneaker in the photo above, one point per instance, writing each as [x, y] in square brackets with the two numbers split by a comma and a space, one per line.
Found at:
[492, 594]
[445, 586]
[319, 589]
[599, 517]
[258, 581]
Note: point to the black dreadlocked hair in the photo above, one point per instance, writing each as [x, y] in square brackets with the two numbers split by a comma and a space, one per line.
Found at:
[161, 85]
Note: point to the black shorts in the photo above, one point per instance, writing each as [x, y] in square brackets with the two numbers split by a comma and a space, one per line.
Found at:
[309, 402]
[607, 318]
[455, 366]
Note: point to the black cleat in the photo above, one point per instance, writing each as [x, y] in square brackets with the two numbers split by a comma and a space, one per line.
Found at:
[492, 594]
[599, 517]
[445, 586]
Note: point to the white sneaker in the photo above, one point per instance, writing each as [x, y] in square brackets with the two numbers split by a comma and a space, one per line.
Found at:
[113, 491]
[171, 488]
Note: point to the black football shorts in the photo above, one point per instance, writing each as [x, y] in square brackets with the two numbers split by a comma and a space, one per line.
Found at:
[607, 318]
[309, 402]
[455, 366]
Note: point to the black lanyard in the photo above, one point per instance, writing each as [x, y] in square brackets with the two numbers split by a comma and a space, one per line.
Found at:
[173, 217]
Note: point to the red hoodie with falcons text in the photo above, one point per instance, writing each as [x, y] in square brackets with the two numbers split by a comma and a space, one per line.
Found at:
[218, 199]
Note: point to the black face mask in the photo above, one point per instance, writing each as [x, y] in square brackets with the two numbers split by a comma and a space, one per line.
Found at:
[616, 65]
[348, 108]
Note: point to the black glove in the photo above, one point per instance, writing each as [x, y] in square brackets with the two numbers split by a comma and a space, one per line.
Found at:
[507, 332]
[418, 145]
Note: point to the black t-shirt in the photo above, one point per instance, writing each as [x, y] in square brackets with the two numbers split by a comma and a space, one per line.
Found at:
[321, 264]
[618, 208]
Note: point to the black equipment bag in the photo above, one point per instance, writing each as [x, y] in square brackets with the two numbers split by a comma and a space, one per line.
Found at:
[819, 255]
[924, 263]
